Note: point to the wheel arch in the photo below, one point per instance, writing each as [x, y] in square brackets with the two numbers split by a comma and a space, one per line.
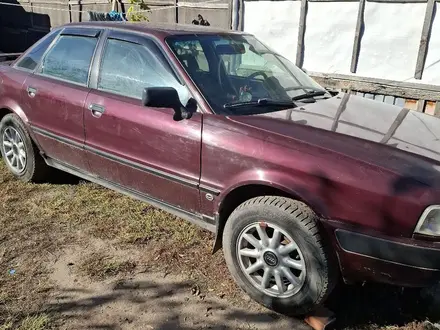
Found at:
[230, 199]
[4, 112]
[9, 106]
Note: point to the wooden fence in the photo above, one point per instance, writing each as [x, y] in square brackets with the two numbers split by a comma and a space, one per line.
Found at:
[414, 96]
[24, 22]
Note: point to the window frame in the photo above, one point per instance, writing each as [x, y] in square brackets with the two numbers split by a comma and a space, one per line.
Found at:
[134, 38]
[87, 32]
[39, 42]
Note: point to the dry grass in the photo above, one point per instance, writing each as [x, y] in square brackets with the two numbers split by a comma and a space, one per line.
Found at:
[99, 266]
[38, 221]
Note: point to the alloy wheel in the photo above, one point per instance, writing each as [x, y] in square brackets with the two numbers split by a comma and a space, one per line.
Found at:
[14, 150]
[271, 259]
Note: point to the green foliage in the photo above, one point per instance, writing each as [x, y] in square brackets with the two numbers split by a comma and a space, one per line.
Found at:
[133, 15]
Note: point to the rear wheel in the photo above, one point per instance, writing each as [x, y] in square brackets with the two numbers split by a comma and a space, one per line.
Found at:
[19, 153]
[275, 253]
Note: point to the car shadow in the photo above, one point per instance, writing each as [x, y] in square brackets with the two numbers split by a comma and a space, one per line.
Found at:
[356, 307]
[362, 306]
[161, 306]
[63, 178]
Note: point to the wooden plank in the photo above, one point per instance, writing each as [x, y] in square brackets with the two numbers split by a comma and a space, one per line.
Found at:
[424, 40]
[379, 97]
[399, 101]
[379, 1]
[358, 36]
[378, 86]
[46, 2]
[332, 0]
[203, 5]
[160, 3]
[437, 109]
[398, 1]
[421, 105]
[389, 99]
[241, 16]
[301, 34]
[230, 15]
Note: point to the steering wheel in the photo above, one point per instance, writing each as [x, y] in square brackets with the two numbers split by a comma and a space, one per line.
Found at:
[256, 74]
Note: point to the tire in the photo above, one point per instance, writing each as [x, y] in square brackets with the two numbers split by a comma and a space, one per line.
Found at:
[31, 167]
[297, 223]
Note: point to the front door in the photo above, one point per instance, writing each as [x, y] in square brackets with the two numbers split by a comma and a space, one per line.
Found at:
[139, 148]
[56, 93]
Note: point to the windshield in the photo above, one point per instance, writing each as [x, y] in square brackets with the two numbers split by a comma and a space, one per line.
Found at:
[239, 69]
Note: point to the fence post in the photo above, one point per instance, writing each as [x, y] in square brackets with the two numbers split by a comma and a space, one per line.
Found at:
[424, 39]
[301, 34]
[360, 26]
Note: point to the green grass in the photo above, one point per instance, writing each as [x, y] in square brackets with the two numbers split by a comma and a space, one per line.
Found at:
[36, 322]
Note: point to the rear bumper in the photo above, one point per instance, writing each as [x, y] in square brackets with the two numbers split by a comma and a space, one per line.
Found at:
[405, 263]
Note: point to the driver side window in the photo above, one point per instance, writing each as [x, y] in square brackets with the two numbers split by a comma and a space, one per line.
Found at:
[127, 68]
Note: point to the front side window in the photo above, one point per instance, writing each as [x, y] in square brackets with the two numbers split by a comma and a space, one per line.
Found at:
[186, 50]
[33, 57]
[241, 71]
[127, 68]
[70, 58]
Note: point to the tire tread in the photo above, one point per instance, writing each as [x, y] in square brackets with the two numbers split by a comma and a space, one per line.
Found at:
[309, 220]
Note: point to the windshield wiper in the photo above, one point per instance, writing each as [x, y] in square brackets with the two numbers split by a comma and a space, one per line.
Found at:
[260, 103]
[308, 95]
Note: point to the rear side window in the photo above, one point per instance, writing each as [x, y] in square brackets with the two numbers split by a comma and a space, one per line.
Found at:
[127, 68]
[33, 57]
[70, 58]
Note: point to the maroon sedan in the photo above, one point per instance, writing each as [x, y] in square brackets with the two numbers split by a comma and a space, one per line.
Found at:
[301, 187]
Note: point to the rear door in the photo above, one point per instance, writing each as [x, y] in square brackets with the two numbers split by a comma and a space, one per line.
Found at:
[142, 149]
[56, 93]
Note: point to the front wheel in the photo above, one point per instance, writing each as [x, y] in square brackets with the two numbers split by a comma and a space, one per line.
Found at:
[275, 253]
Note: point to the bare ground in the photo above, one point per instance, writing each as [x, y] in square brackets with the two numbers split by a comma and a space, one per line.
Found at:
[74, 255]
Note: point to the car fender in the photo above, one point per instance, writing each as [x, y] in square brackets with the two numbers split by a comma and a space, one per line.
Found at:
[304, 188]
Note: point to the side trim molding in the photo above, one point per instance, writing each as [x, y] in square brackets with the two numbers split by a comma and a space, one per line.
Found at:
[203, 221]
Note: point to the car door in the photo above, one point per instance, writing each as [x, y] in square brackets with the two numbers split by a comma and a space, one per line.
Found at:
[55, 95]
[142, 149]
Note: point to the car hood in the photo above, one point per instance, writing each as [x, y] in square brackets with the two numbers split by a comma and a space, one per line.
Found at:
[388, 136]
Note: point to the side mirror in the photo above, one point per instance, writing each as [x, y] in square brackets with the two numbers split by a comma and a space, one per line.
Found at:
[165, 97]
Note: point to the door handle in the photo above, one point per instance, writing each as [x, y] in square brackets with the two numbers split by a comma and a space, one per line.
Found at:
[31, 91]
[97, 110]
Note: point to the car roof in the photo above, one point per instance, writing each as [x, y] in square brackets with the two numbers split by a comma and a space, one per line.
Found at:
[158, 29]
